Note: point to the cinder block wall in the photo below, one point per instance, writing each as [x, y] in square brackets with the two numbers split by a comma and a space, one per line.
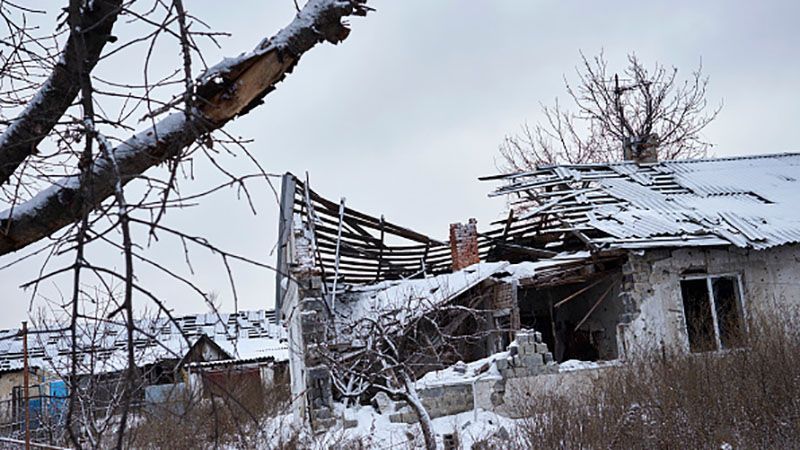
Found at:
[528, 357]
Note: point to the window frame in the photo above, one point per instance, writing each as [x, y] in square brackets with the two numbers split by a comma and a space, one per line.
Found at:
[708, 277]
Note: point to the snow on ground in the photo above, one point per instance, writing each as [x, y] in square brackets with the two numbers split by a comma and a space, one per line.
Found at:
[379, 432]
[573, 365]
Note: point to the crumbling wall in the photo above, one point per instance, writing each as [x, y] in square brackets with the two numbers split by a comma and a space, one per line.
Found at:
[504, 315]
[652, 303]
[522, 394]
[528, 357]
[306, 317]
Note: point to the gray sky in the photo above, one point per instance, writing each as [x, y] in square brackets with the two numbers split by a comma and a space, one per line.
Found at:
[404, 115]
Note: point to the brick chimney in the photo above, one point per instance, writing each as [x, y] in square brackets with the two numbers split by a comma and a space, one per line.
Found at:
[464, 244]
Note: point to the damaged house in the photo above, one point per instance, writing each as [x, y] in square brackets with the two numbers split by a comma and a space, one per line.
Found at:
[202, 353]
[604, 261]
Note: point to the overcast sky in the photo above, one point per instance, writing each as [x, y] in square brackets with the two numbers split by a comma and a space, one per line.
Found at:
[404, 115]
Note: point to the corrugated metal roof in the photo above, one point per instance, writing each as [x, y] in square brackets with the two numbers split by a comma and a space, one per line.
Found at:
[747, 201]
[102, 346]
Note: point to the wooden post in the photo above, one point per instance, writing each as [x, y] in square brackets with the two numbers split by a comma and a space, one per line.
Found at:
[380, 255]
[424, 261]
[509, 221]
[25, 392]
[336, 260]
[556, 341]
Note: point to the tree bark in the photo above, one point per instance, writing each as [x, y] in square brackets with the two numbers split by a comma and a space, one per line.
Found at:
[227, 90]
[425, 422]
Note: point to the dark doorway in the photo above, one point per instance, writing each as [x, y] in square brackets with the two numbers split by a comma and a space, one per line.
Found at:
[577, 320]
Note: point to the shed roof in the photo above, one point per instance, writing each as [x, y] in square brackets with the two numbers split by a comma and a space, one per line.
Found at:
[102, 346]
[747, 201]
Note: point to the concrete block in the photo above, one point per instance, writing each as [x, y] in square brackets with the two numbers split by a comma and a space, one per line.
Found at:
[432, 392]
[323, 424]
[541, 348]
[548, 358]
[537, 337]
[322, 413]
[502, 364]
[382, 403]
[534, 360]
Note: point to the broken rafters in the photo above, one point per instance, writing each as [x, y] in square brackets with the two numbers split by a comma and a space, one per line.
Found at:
[364, 255]
[577, 293]
[745, 201]
[596, 304]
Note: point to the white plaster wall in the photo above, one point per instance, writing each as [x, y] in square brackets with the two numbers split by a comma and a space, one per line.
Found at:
[770, 278]
[483, 389]
[297, 365]
[523, 393]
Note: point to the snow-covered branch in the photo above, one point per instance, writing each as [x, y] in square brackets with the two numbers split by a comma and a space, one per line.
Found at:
[226, 90]
[20, 139]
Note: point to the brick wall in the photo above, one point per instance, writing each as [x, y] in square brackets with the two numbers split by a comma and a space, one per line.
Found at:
[464, 244]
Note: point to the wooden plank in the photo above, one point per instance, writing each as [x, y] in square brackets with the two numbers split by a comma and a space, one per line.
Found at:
[537, 253]
[375, 223]
[380, 254]
[596, 304]
[579, 292]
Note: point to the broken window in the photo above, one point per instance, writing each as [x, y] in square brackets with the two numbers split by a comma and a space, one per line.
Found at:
[712, 307]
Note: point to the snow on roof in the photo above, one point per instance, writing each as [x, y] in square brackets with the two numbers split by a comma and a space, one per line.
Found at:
[744, 201]
[260, 348]
[528, 269]
[246, 335]
[415, 295]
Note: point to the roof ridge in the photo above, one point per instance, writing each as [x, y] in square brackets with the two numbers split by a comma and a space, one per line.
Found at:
[732, 158]
[550, 167]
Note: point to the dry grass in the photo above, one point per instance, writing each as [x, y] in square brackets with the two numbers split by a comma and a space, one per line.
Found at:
[231, 417]
[745, 398]
[236, 417]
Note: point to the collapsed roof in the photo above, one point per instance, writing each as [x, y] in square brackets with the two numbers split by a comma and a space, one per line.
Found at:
[565, 224]
[748, 201]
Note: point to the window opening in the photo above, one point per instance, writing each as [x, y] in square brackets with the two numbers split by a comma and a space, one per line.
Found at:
[713, 312]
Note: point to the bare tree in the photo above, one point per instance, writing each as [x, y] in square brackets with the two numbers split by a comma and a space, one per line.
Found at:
[638, 110]
[389, 348]
[68, 156]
